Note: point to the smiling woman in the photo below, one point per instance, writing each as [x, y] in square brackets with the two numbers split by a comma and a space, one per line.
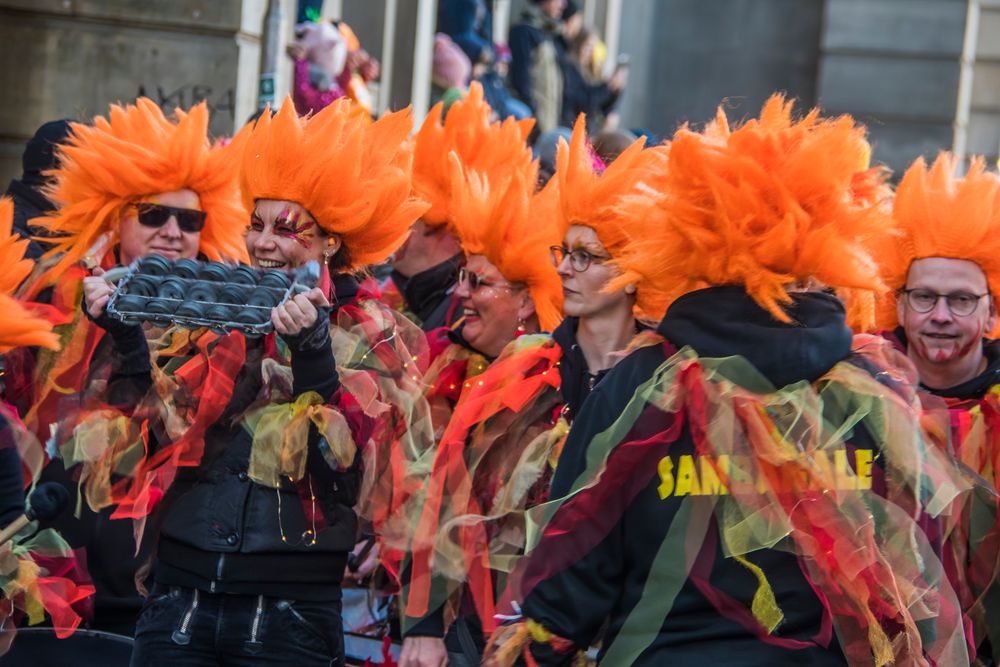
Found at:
[167, 224]
[106, 196]
[265, 462]
[283, 235]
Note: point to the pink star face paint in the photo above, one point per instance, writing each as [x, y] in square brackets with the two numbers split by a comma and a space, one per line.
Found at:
[294, 225]
[282, 235]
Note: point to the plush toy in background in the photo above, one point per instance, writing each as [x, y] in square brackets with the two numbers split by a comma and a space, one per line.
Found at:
[320, 55]
[329, 64]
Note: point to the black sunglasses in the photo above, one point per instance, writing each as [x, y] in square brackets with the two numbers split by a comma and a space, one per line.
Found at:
[152, 215]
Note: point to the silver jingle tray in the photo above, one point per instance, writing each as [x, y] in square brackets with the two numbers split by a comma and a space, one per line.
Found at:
[303, 279]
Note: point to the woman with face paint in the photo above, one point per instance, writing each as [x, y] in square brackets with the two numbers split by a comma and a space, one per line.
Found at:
[252, 451]
[944, 270]
[510, 421]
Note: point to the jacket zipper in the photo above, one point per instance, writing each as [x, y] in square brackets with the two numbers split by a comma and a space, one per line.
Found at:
[256, 619]
[218, 572]
[183, 634]
[253, 645]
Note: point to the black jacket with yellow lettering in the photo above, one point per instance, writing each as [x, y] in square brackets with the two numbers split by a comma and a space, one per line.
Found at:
[603, 588]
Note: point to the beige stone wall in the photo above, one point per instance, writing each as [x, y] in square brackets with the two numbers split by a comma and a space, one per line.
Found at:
[72, 58]
[983, 124]
[896, 65]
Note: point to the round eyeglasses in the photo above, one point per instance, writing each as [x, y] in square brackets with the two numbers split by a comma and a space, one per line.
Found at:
[961, 304]
[579, 259]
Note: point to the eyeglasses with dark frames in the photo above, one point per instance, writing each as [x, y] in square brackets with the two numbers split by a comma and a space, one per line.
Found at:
[579, 258]
[961, 304]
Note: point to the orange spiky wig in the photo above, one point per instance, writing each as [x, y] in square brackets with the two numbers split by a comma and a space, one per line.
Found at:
[615, 203]
[352, 175]
[18, 327]
[134, 153]
[501, 217]
[940, 215]
[481, 145]
[773, 204]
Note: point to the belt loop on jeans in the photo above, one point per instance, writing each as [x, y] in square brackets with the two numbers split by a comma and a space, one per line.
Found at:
[253, 644]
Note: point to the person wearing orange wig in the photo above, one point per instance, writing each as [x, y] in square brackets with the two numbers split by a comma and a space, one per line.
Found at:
[507, 290]
[425, 267]
[134, 182]
[944, 270]
[510, 420]
[601, 212]
[705, 489]
[249, 451]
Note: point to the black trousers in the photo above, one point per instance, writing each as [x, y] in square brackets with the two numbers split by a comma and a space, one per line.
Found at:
[182, 627]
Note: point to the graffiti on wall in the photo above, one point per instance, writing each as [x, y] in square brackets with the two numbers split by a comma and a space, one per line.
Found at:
[187, 96]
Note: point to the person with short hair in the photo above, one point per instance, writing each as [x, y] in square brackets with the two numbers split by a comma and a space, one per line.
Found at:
[535, 71]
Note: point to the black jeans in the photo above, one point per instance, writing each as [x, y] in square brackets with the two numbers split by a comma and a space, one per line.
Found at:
[181, 627]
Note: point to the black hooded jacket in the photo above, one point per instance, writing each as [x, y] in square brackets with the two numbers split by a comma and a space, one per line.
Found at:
[29, 203]
[39, 156]
[428, 294]
[606, 584]
[219, 530]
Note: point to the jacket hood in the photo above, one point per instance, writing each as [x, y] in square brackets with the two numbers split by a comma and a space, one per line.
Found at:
[726, 321]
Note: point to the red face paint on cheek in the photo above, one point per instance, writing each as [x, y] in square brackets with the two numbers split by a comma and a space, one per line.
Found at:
[937, 354]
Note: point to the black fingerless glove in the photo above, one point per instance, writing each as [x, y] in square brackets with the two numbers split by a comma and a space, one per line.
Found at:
[131, 352]
[313, 365]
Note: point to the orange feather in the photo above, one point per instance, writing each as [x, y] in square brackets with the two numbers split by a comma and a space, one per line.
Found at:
[18, 327]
